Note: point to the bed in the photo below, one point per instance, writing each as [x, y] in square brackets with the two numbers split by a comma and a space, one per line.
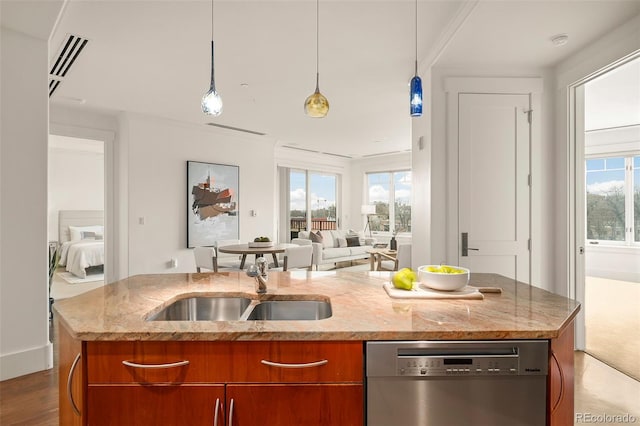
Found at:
[81, 237]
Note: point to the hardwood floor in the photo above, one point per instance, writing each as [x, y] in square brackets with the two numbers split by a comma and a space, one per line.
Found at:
[599, 390]
[612, 320]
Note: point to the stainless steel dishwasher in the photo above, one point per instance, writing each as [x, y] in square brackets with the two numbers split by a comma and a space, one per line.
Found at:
[449, 383]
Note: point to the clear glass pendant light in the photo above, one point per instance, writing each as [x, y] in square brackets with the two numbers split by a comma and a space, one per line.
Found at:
[211, 101]
[415, 91]
[316, 105]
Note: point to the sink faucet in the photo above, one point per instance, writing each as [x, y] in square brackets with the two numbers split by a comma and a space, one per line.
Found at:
[259, 272]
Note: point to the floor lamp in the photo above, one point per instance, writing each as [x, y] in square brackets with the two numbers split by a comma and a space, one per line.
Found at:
[368, 209]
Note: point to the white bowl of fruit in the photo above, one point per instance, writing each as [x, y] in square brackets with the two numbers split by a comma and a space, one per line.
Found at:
[261, 242]
[443, 277]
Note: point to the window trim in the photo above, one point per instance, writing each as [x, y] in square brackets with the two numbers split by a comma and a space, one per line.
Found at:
[391, 201]
[629, 230]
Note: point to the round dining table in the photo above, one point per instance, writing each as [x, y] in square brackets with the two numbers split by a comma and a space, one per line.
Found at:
[244, 250]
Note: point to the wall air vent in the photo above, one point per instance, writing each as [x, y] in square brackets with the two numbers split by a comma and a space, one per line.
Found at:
[69, 51]
[237, 129]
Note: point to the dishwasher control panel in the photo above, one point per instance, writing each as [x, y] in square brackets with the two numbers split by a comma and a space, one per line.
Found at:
[459, 358]
[457, 366]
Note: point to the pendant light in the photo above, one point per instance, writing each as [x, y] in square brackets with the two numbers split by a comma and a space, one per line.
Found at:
[415, 96]
[316, 105]
[211, 101]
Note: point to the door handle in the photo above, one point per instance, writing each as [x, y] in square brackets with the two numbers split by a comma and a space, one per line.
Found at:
[465, 245]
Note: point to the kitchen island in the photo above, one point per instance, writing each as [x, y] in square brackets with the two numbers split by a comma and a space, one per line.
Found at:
[102, 328]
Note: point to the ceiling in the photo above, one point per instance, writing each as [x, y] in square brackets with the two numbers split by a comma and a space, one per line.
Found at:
[152, 57]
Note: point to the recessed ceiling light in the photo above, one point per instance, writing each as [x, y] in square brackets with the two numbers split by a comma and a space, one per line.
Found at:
[560, 39]
[245, 85]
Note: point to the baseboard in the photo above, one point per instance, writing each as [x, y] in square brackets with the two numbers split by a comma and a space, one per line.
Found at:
[26, 362]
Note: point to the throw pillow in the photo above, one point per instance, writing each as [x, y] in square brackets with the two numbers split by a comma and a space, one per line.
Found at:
[342, 242]
[327, 239]
[316, 237]
[353, 241]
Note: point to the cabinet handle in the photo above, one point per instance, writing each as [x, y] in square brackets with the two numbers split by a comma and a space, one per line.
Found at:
[215, 415]
[561, 395]
[306, 365]
[231, 413]
[170, 365]
[69, 390]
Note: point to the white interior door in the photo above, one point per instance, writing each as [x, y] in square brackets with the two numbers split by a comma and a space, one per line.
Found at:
[494, 191]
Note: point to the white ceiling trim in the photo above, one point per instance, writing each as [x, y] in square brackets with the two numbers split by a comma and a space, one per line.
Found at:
[450, 31]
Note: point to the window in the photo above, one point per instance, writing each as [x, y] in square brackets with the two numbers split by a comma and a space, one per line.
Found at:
[613, 200]
[313, 192]
[390, 192]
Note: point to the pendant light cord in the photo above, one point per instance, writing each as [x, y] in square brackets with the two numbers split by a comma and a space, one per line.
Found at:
[213, 80]
[416, 37]
[317, 45]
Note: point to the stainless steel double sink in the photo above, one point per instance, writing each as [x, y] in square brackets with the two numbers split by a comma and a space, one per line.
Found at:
[212, 308]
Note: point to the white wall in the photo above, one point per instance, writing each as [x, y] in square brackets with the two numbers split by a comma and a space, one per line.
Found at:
[76, 182]
[23, 197]
[433, 160]
[617, 263]
[158, 151]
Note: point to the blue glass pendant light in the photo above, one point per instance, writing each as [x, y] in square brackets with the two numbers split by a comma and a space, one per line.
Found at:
[415, 96]
[211, 101]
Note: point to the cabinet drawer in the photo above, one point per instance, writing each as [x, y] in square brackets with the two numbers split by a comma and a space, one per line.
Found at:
[169, 405]
[207, 362]
[296, 362]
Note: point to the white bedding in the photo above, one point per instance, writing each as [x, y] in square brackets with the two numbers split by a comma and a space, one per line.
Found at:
[77, 256]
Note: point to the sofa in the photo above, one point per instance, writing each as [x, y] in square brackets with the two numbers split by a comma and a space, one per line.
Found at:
[335, 245]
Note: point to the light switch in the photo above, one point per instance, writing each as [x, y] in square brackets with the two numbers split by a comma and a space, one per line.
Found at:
[141, 220]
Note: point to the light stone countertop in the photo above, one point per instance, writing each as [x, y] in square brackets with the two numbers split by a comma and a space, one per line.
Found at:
[362, 310]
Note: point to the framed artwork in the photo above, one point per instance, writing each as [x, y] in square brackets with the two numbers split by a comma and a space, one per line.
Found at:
[212, 203]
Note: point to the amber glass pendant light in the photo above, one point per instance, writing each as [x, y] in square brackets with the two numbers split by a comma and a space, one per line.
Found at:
[415, 90]
[211, 101]
[316, 105]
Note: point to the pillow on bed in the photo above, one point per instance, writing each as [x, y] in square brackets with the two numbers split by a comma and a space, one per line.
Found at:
[90, 235]
[75, 232]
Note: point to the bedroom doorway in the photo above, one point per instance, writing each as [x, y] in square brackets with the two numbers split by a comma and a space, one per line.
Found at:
[607, 213]
[76, 213]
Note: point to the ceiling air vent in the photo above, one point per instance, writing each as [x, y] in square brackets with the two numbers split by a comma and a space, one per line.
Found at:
[316, 152]
[237, 129]
[69, 51]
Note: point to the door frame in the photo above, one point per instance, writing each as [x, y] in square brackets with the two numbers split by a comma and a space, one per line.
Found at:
[108, 138]
[576, 219]
[454, 86]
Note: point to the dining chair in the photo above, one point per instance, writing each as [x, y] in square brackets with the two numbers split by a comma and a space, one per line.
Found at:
[205, 258]
[401, 260]
[299, 257]
[227, 260]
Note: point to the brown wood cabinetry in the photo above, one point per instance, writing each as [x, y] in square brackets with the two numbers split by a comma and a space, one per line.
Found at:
[250, 383]
[560, 383]
[70, 382]
[295, 404]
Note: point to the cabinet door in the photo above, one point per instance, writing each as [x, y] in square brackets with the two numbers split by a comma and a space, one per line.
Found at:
[308, 405]
[561, 381]
[70, 368]
[169, 405]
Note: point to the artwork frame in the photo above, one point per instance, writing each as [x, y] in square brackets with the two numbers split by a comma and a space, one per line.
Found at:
[212, 203]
